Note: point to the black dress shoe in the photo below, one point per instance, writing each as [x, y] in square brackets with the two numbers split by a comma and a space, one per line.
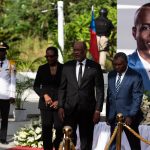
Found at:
[4, 142]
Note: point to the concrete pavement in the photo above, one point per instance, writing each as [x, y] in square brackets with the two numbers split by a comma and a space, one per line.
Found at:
[13, 127]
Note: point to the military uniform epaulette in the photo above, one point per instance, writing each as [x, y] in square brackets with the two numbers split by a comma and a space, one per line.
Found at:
[12, 66]
[12, 62]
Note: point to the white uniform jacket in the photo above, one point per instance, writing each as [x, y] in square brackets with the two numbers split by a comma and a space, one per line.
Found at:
[7, 80]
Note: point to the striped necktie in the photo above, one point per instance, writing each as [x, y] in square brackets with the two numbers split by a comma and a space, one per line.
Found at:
[118, 83]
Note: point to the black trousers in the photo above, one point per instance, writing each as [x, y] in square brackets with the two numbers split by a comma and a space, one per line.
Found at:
[4, 110]
[134, 142]
[86, 127]
[50, 119]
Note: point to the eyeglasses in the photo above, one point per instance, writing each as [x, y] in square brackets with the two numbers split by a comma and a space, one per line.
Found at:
[2, 49]
[50, 56]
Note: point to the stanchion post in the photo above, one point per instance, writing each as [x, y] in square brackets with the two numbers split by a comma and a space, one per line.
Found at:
[119, 133]
[67, 130]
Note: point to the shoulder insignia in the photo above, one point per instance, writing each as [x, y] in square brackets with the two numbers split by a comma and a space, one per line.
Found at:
[12, 62]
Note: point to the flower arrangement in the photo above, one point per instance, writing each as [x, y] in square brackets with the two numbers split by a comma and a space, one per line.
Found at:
[145, 107]
[30, 135]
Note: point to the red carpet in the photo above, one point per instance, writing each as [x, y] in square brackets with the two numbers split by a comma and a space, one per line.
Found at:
[24, 148]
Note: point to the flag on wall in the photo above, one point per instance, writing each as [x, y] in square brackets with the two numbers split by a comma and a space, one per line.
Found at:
[93, 41]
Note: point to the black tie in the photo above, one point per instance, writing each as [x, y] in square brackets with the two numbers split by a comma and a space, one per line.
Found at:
[1, 64]
[118, 83]
[80, 74]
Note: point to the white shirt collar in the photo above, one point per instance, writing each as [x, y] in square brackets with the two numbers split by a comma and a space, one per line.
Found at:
[83, 62]
[122, 75]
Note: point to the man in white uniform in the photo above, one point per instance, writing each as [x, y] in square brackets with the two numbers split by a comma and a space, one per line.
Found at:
[7, 89]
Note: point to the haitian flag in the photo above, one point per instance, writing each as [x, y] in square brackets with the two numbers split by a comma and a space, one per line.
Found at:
[93, 41]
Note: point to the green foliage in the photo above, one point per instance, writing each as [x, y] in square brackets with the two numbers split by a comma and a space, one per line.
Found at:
[77, 27]
[30, 26]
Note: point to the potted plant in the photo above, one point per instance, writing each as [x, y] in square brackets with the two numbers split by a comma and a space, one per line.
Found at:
[22, 85]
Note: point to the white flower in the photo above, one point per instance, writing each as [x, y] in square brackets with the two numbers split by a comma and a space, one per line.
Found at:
[38, 137]
[34, 145]
[30, 139]
[38, 130]
[31, 132]
[145, 107]
[30, 135]
[40, 144]
[23, 134]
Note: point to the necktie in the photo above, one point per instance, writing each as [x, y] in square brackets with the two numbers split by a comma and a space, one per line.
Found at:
[118, 83]
[1, 64]
[80, 74]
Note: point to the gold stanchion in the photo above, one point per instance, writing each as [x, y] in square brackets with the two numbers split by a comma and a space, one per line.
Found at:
[111, 138]
[67, 130]
[119, 133]
[67, 143]
[137, 135]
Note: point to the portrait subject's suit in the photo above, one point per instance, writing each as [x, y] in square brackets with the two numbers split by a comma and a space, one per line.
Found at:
[135, 63]
[127, 101]
[80, 103]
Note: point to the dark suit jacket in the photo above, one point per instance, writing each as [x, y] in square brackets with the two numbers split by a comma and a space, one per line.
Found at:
[129, 97]
[89, 96]
[135, 63]
[47, 83]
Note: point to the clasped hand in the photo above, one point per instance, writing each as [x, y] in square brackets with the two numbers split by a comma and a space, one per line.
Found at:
[96, 117]
[50, 102]
[128, 121]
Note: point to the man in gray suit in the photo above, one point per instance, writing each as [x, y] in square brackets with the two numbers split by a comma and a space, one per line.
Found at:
[125, 91]
[81, 95]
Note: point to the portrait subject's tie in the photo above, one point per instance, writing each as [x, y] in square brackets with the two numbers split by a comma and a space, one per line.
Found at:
[118, 83]
[80, 74]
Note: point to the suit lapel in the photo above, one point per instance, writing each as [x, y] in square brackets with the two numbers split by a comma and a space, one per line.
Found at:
[126, 79]
[136, 63]
[73, 71]
[113, 82]
[86, 70]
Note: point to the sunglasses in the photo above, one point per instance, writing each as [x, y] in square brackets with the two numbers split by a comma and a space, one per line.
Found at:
[2, 49]
[50, 56]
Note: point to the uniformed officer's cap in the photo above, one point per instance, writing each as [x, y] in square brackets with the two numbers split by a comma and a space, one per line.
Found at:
[3, 46]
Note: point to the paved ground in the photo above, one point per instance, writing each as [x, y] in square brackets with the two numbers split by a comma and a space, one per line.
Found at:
[13, 126]
[10, 145]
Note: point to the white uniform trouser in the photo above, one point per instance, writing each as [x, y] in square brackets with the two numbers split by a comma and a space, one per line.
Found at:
[102, 42]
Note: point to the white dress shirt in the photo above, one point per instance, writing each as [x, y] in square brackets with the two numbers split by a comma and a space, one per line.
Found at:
[7, 80]
[145, 64]
[78, 66]
[122, 76]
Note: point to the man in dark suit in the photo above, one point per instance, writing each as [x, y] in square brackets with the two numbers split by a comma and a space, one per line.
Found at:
[81, 95]
[46, 86]
[125, 91]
